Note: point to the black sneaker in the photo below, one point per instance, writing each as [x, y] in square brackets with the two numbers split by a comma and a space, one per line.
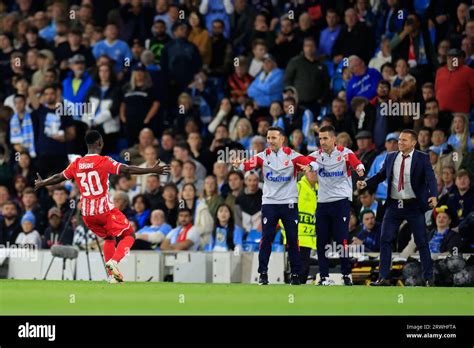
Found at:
[347, 280]
[295, 279]
[263, 279]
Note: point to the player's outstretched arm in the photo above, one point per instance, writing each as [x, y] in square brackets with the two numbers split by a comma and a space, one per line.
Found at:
[52, 180]
[156, 169]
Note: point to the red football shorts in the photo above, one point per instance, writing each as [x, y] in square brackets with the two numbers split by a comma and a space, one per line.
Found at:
[109, 224]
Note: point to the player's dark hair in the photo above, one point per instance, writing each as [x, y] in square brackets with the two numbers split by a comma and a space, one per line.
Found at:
[278, 129]
[411, 132]
[92, 137]
[329, 129]
[230, 226]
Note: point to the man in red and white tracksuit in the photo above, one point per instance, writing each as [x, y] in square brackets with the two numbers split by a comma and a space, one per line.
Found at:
[279, 166]
[333, 165]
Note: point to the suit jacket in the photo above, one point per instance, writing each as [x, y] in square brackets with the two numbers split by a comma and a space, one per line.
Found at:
[422, 178]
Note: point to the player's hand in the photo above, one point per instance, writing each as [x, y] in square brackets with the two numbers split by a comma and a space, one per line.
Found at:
[361, 184]
[38, 182]
[157, 169]
[305, 168]
[360, 172]
[433, 201]
[236, 163]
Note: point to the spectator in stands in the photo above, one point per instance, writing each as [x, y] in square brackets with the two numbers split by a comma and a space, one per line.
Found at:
[443, 48]
[115, 49]
[182, 152]
[467, 162]
[221, 61]
[158, 40]
[383, 56]
[368, 201]
[236, 186]
[217, 10]
[163, 13]
[402, 75]
[329, 35]
[211, 194]
[363, 115]
[364, 80]
[19, 185]
[200, 210]
[461, 204]
[244, 132]
[240, 21]
[21, 88]
[199, 36]
[305, 27]
[10, 226]
[455, 84]
[388, 71]
[467, 46]
[200, 152]
[355, 38]
[268, 84]
[57, 232]
[104, 100]
[122, 203]
[225, 115]
[151, 235]
[53, 132]
[185, 236]
[448, 178]
[153, 191]
[369, 237]
[339, 117]
[344, 139]
[180, 60]
[60, 200]
[460, 138]
[249, 204]
[140, 103]
[21, 128]
[45, 62]
[424, 139]
[366, 148]
[189, 176]
[287, 44]
[309, 76]
[176, 172]
[151, 156]
[4, 196]
[170, 204]
[239, 81]
[220, 171]
[72, 47]
[259, 50]
[414, 45]
[382, 124]
[226, 235]
[142, 211]
[442, 238]
[136, 154]
[29, 236]
[354, 226]
[29, 202]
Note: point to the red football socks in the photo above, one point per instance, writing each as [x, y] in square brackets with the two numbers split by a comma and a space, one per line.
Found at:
[123, 247]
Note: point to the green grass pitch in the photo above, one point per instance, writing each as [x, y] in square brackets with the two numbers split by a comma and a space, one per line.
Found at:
[37, 297]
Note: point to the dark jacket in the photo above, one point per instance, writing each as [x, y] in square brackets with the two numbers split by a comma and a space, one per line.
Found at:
[181, 61]
[9, 234]
[358, 41]
[311, 79]
[422, 178]
[451, 242]
[58, 236]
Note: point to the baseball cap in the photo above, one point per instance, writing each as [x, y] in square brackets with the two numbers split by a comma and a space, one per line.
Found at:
[455, 52]
[54, 211]
[46, 53]
[269, 56]
[77, 58]
[364, 134]
[391, 136]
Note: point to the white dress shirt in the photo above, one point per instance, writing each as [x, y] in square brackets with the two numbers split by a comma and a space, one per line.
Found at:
[407, 192]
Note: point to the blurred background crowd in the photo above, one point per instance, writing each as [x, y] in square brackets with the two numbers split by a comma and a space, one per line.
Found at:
[187, 81]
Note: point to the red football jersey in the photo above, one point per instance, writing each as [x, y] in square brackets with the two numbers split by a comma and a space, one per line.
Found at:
[91, 173]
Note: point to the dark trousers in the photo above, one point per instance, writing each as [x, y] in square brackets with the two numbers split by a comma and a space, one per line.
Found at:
[271, 213]
[305, 254]
[332, 218]
[396, 212]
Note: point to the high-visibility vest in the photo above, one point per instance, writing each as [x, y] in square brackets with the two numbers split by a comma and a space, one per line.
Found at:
[307, 201]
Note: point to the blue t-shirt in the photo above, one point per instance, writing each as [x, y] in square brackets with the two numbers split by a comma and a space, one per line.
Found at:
[118, 51]
[364, 85]
[220, 242]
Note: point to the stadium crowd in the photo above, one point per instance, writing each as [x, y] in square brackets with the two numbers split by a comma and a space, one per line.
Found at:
[190, 81]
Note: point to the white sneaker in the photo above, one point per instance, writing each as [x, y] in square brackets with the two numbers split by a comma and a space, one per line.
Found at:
[325, 282]
[111, 265]
[112, 280]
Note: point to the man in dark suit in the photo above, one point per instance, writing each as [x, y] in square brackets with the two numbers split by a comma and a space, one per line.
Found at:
[411, 192]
